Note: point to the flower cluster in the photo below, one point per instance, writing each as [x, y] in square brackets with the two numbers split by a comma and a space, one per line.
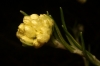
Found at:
[35, 30]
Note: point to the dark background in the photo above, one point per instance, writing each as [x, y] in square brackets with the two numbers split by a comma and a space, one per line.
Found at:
[12, 53]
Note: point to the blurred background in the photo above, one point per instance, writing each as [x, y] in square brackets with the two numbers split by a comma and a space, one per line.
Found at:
[12, 53]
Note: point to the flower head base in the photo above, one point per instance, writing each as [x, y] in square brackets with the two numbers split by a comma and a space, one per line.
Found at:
[35, 30]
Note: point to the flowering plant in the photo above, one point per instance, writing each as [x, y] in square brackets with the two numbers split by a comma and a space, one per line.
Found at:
[37, 30]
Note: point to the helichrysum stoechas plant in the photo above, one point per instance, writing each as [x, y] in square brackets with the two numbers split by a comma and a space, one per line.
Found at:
[37, 30]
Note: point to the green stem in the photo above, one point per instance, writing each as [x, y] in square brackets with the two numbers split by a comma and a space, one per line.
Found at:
[62, 39]
[71, 40]
[87, 54]
[57, 34]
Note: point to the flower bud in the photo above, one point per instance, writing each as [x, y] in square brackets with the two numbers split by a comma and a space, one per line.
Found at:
[35, 30]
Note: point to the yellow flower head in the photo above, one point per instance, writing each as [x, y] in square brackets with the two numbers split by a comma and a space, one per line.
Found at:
[35, 30]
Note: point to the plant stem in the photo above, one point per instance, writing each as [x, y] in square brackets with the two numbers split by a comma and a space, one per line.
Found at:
[86, 63]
